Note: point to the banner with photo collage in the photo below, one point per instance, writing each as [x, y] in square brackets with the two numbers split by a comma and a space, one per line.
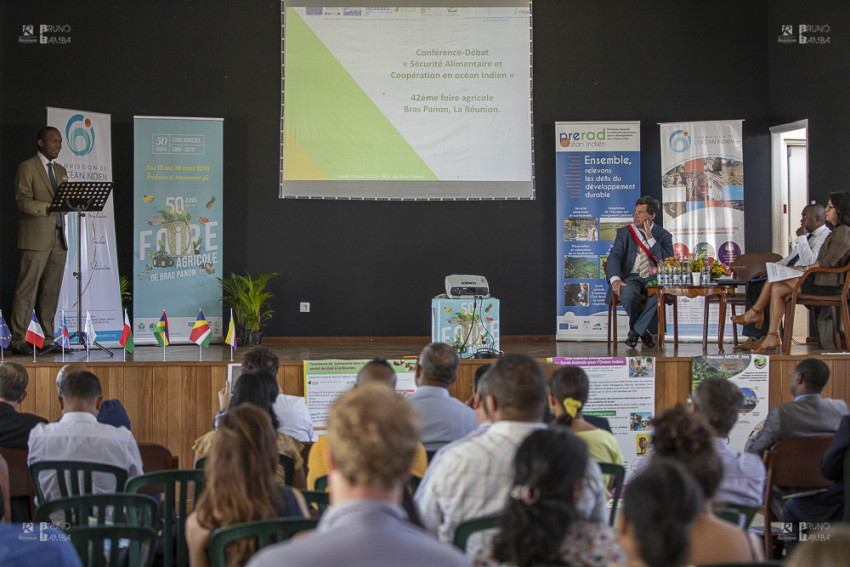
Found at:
[622, 390]
[177, 207]
[702, 180]
[597, 167]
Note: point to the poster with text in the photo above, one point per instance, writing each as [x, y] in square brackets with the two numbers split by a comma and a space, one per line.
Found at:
[702, 187]
[177, 204]
[623, 391]
[597, 181]
[87, 156]
[751, 373]
[326, 380]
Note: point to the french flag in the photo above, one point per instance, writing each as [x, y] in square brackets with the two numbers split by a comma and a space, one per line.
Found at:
[34, 336]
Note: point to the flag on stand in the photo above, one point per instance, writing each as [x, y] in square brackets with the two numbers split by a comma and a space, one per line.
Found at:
[201, 333]
[34, 336]
[91, 336]
[62, 338]
[231, 333]
[161, 330]
[126, 339]
[5, 333]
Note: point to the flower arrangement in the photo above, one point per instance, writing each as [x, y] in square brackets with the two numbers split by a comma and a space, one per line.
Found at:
[717, 268]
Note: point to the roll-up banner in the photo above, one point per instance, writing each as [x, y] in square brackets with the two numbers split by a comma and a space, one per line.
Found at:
[87, 156]
[597, 168]
[702, 180]
[178, 181]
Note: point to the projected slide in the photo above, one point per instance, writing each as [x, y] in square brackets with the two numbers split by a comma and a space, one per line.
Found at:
[407, 102]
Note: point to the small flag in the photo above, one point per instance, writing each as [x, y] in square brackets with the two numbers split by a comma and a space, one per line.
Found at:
[231, 333]
[62, 338]
[5, 333]
[126, 339]
[201, 333]
[161, 330]
[91, 336]
[34, 336]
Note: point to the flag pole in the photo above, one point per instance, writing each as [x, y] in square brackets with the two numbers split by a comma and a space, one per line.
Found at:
[200, 353]
[33, 353]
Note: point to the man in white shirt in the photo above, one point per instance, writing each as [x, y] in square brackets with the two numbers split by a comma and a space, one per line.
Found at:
[79, 437]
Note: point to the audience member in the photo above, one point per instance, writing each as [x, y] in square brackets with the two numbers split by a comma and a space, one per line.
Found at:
[111, 411]
[445, 419]
[476, 401]
[686, 437]
[5, 507]
[373, 434]
[291, 411]
[378, 371]
[472, 478]
[260, 388]
[826, 548]
[720, 401]
[240, 484]
[540, 523]
[15, 426]
[809, 415]
[661, 507]
[569, 389]
[79, 437]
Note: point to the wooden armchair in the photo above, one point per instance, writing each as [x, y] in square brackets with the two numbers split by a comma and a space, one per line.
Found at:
[810, 300]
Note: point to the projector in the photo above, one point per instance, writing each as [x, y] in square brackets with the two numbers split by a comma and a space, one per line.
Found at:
[458, 286]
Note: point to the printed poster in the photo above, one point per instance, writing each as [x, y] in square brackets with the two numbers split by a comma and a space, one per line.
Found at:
[597, 183]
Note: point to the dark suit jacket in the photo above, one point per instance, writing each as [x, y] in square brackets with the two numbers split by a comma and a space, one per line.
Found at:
[33, 193]
[15, 427]
[810, 417]
[622, 256]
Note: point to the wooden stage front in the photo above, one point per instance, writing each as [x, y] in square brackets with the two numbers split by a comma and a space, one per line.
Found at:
[173, 403]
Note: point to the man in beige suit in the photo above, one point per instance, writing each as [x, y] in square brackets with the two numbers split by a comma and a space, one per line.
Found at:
[41, 240]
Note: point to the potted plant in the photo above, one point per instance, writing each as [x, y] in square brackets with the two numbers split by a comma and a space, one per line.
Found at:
[249, 299]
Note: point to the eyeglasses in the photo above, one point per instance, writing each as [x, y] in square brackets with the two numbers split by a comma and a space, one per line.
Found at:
[829, 207]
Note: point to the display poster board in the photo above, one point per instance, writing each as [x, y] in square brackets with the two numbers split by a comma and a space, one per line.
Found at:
[469, 325]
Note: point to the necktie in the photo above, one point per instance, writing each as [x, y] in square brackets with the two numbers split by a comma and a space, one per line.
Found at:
[644, 265]
[52, 177]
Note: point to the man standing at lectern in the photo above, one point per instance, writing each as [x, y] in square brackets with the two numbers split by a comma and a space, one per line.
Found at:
[637, 249]
[41, 240]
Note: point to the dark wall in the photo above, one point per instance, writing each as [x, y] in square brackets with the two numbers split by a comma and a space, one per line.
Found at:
[370, 268]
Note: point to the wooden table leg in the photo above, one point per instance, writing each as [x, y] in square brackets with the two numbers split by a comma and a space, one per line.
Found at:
[675, 321]
[721, 325]
[661, 323]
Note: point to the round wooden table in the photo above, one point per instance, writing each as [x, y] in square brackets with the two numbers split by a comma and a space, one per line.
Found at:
[722, 290]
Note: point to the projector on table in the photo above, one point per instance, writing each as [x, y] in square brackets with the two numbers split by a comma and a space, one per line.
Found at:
[459, 286]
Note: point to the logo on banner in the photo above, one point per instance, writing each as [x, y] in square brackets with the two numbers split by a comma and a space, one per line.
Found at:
[27, 34]
[680, 141]
[79, 135]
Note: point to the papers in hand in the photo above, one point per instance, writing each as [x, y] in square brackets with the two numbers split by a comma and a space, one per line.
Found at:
[779, 272]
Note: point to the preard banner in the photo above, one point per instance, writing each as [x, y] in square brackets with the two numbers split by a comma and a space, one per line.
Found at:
[178, 181]
[702, 180]
[597, 181]
[87, 156]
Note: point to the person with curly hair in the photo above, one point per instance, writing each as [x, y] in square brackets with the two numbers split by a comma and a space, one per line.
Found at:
[540, 522]
[240, 484]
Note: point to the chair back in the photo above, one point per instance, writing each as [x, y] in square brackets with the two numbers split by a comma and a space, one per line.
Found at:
[317, 501]
[284, 461]
[735, 513]
[466, 529]
[846, 484]
[99, 546]
[115, 509]
[20, 482]
[264, 532]
[321, 484]
[617, 475]
[155, 458]
[792, 463]
[746, 266]
[179, 487]
[73, 477]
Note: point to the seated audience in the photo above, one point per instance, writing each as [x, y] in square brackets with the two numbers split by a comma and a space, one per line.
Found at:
[373, 434]
[720, 401]
[444, 418]
[476, 401]
[79, 437]
[379, 371]
[568, 392]
[111, 411]
[658, 518]
[5, 508]
[291, 411]
[686, 438]
[540, 523]
[15, 426]
[240, 484]
[260, 388]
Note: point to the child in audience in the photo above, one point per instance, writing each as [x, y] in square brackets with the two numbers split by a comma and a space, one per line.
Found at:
[240, 484]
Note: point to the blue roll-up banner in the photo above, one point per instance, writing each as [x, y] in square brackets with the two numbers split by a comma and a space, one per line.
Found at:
[597, 168]
[178, 182]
